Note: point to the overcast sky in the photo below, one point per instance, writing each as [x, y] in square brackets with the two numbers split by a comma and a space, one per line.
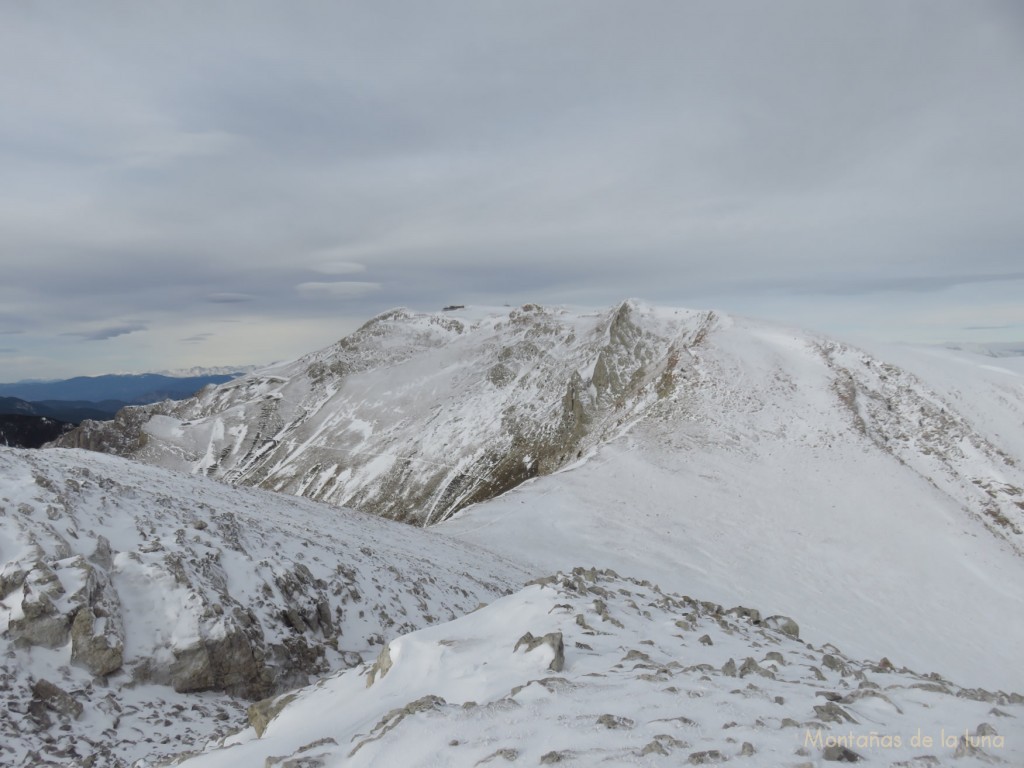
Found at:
[203, 183]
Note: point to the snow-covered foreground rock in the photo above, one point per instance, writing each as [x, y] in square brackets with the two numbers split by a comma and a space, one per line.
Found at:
[590, 668]
[140, 607]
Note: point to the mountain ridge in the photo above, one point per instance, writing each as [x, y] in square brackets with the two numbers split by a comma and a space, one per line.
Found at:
[378, 421]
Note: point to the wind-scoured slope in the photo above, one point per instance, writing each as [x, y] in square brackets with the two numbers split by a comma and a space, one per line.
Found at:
[590, 668]
[124, 587]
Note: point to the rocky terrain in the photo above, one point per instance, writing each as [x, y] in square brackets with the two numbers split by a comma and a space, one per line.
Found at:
[140, 607]
[592, 668]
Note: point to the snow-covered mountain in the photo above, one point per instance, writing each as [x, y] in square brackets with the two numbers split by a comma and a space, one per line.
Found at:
[875, 497]
[416, 416]
[127, 591]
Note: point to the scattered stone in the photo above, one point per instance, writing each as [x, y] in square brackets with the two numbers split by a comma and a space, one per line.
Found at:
[708, 756]
[833, 713]
[553, 640]
[751, 667]
[840, 754]
[747, 749]
[380, 666]
[783, 624]
[555, 756]
[884, 666]
[752, 614]
[615, 722]
[653, 747]
[705, 640]
[263, 712]
[831, 662]
[97, 642]
[729, 668]
[508, 753]
[56, 699]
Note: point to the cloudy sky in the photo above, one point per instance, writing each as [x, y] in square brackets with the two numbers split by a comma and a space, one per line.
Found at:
[202, 183]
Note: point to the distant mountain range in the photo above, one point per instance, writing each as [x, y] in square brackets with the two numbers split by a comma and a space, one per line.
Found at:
[34, 412]
[74, 411]
[130, 389]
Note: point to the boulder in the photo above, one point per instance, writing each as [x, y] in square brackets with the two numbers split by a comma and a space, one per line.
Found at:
[97, 642]
[55, 698]
[783, 624]
[552, 640]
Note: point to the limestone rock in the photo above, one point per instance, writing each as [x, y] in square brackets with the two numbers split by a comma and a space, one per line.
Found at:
[263, 712]
[97, 642]
[56, 699]
[42, 622]
[380, 666]
[840, 754]
[783, 624]
[553, 640]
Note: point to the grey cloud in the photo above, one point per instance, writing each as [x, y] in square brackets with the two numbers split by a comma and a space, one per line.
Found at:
[110, 332]
[197, 338]
[337, 288]
[919, 284]
[229, 298]
[999, 327]
[575, 152]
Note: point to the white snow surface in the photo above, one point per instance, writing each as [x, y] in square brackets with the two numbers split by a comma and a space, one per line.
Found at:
[647, 678]
[752, 486]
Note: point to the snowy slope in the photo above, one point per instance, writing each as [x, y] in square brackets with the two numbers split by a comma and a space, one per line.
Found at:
[133, 590]
[624, 674]
[987, 389]
[752, 485]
